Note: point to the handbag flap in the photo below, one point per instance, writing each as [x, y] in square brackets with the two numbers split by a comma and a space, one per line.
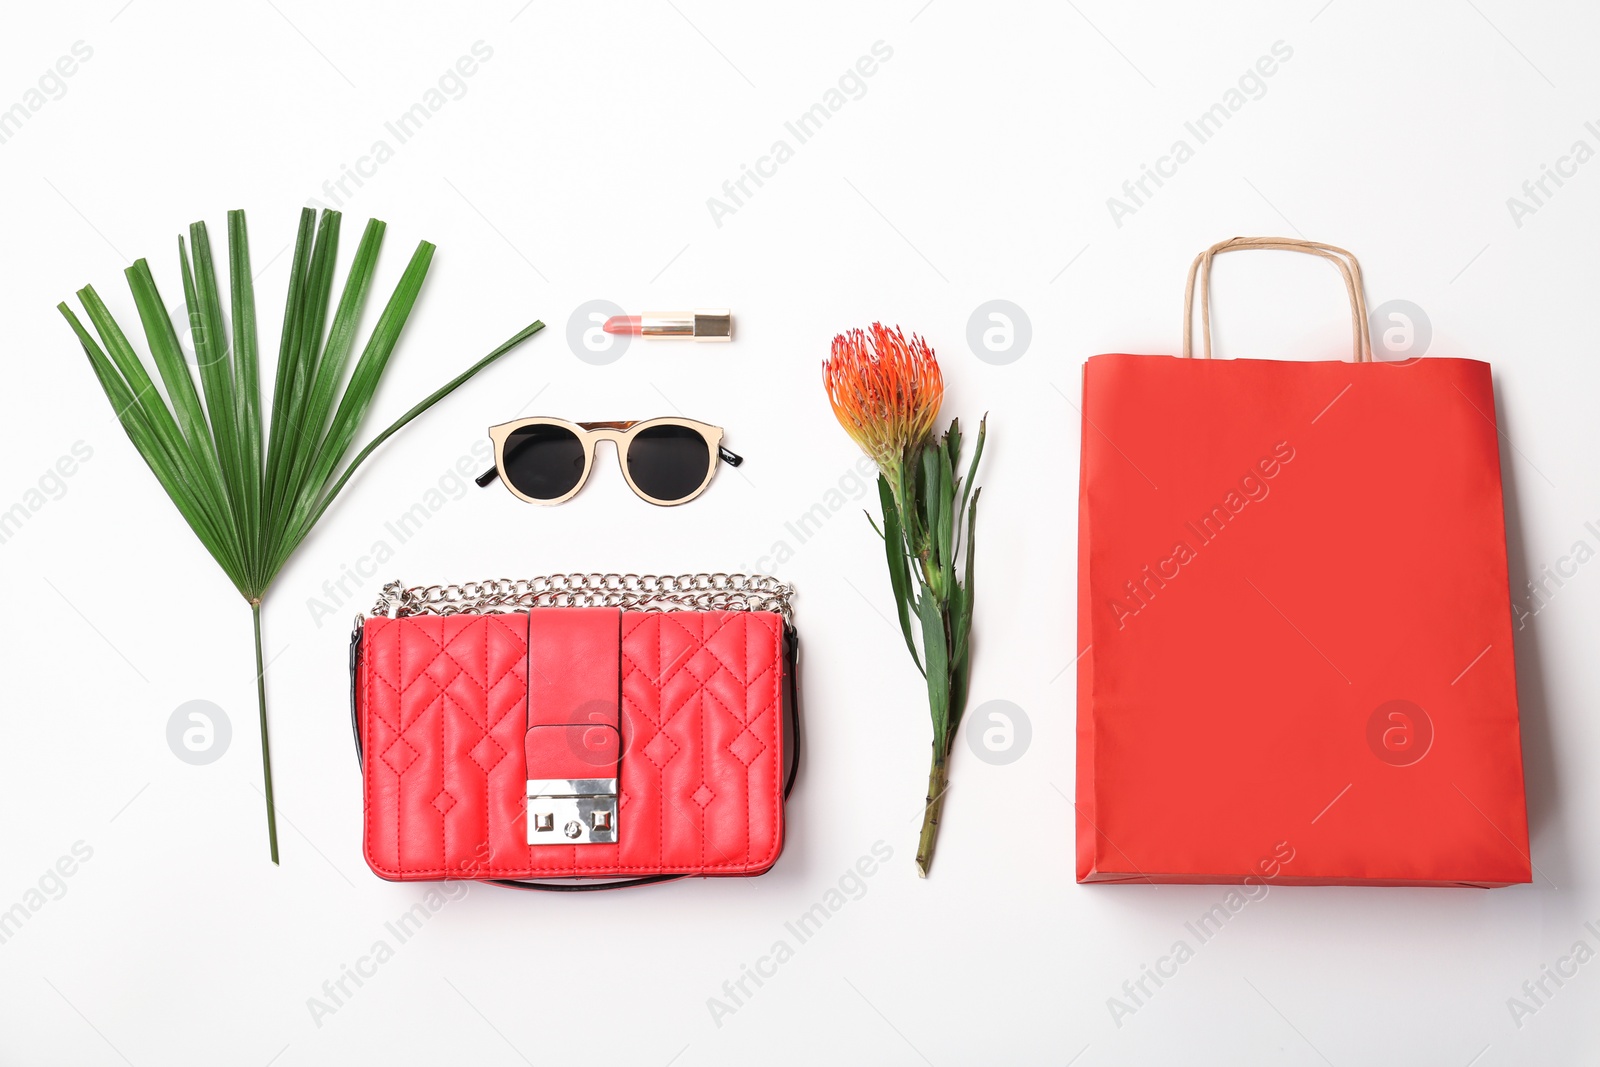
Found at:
[574, 694]
[458, 712]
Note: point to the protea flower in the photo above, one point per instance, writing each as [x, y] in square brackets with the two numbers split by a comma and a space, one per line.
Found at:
[886, 392]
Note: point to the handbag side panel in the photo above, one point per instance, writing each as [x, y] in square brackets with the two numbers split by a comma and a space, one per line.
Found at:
[443, 703]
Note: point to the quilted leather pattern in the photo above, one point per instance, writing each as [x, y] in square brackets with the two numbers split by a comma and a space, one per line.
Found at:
[442, 703]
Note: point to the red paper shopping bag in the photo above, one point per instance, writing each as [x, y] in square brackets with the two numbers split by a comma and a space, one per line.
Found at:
[1294, 619]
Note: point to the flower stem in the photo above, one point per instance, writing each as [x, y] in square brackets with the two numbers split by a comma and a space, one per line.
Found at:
[266, 750]
[938, 784]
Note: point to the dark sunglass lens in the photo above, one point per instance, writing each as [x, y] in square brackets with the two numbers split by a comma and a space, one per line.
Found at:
[668, 462]
[544, 462]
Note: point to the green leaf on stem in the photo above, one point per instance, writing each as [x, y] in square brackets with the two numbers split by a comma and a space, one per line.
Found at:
[250, 502]
[894, 546]
[910, 515]
[931, 499]
[936, 650]
[949, 520]
[353, 405]
[297, 436]
[168, 466]
[298, 534]
[335, 358]
[168, 354]
[972, 472]
[288, 350]
[211, 359]
[961, 624]
[246, 374]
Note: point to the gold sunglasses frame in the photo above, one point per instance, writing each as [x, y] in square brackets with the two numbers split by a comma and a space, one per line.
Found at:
[621, 434]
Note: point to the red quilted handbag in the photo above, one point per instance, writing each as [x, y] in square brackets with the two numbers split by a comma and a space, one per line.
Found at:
[599, 730]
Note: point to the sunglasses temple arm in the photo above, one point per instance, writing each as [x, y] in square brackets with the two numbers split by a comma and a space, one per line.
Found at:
[487, 476]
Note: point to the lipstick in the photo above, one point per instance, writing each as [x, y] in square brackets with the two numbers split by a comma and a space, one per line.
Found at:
[701, 324]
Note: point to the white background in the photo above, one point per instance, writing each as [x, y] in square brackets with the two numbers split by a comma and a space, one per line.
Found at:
[576, 166]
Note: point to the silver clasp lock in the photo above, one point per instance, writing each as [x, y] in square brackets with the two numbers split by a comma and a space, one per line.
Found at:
[572, 811]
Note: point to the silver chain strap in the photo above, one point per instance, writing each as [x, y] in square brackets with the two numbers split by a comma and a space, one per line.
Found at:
[631, 592]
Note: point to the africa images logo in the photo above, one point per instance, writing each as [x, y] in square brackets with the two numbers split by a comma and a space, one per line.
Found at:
[1251, 85]
[1252, 487]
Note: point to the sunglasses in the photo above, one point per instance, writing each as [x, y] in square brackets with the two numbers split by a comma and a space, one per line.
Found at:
[666, 461]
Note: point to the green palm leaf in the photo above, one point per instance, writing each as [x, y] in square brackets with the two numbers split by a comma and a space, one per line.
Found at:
[253, 497]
